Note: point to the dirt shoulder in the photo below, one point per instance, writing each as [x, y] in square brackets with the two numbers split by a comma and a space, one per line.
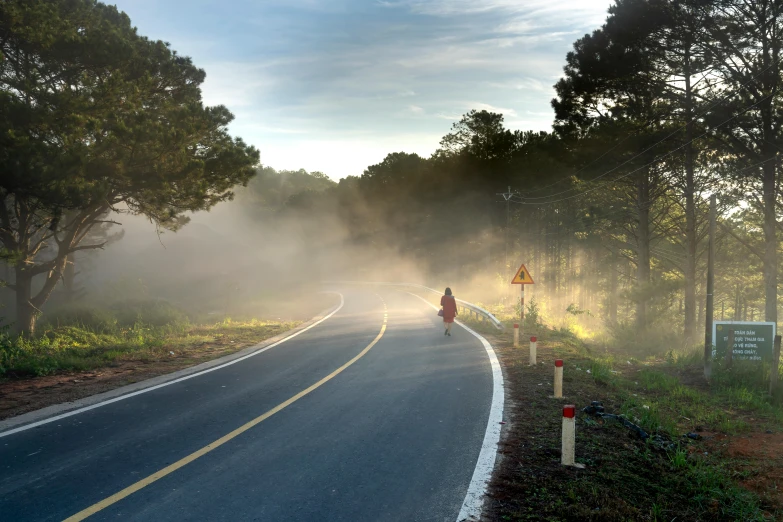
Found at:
[730, 473]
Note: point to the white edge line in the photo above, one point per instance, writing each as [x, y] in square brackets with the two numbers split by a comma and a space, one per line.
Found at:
[174, 381]
[474, 498]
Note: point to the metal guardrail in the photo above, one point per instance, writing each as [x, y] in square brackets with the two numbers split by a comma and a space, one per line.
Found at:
[474, 310]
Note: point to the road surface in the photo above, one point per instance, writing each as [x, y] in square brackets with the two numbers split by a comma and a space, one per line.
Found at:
[371, 415]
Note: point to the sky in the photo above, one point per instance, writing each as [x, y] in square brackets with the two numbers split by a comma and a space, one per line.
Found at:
[335, 85]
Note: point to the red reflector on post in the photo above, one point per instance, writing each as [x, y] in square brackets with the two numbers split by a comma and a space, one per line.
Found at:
[569, 411]
[533, 339]
[559, 363]
[516, 325]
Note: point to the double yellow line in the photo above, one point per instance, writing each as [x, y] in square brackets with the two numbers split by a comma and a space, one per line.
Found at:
[143, 483]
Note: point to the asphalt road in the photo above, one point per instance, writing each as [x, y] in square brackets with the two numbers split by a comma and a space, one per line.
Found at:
[395, 436]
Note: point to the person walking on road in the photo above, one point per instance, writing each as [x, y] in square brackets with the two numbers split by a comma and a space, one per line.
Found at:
[449, 305]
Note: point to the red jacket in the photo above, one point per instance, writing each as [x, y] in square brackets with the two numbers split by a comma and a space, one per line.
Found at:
[449, 305]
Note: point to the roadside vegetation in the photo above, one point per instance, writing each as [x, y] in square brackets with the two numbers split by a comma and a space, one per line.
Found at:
[91, 338]
[712, 451]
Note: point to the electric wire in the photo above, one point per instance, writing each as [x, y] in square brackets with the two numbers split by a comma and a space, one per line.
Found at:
[704, 112]
[647, 164]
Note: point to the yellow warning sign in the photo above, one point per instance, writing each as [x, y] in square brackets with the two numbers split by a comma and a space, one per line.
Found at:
[522, 277]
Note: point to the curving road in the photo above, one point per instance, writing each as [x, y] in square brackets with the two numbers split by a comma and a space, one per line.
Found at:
[370, 415]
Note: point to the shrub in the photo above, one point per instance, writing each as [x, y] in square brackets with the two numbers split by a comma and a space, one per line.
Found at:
[654, 341]
[156, 312]
[117, 316]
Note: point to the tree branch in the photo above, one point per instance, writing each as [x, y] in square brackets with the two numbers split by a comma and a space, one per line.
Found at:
[744, 242]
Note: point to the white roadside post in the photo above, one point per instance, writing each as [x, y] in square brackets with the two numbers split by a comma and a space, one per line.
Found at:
[559, 379]
[516, 335]
[569, 437]
[533, 350]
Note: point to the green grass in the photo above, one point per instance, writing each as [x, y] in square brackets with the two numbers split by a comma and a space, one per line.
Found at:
[601, 371]
[679, 458]
[714, 491]
[742, 387]
[91, 339]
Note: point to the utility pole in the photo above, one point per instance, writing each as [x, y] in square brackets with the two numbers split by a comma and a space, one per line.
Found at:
[507, 196]
[708, 341]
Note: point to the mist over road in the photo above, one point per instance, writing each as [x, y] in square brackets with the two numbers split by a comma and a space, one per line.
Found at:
[394, 435]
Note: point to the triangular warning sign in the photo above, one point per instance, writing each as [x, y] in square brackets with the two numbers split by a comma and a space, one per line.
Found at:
[522, 277]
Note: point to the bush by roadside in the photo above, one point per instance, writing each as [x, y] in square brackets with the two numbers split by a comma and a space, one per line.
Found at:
[80, 348]
[85, 338]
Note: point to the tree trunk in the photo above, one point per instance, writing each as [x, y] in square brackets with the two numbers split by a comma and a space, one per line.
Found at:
[613, 276]
[26, 313]
[69, 279]
[690, 211]
[643, 249]
[770, 245]
[771, 80]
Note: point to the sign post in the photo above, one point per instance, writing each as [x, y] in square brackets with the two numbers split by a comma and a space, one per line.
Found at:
[773, 374]
[522, 278]
[709, 339]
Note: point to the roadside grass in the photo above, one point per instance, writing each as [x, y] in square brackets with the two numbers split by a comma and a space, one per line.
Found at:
[87, 339]
[669, 476]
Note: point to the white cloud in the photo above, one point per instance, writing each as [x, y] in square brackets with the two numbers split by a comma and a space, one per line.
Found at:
[516, 26]
[486, 107]
[529, 8]
[273, 130]
[326, 85]
[541, 124]
[451, 117]
[533, 84]
[338, 158]
[236, 84]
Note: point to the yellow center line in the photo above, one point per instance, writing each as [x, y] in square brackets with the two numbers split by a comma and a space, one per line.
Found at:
[133, 488]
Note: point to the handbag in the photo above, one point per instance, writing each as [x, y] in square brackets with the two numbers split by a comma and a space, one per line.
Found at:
[440, 312]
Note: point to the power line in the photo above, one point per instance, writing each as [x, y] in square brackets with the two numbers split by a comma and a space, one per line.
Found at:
[588, 227]
[539, 189]
[648, 164]
[725, 98]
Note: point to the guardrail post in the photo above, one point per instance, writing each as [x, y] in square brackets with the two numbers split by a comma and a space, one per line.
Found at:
[559, 379]
[568, 448]
[533, 350]
[516, 335]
